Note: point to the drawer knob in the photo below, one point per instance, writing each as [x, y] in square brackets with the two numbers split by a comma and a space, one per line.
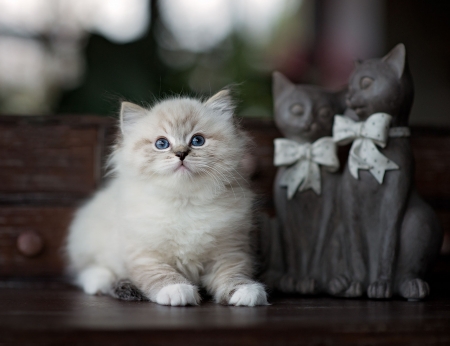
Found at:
[30, 243]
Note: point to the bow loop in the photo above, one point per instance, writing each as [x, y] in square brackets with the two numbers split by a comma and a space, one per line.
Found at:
[324, 153]
[376, 128]
[287, 152]
[303, 162]
[366, 136]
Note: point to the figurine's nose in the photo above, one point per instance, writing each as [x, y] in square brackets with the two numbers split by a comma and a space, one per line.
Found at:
[307, 126]
[182, 154]
[348, 98]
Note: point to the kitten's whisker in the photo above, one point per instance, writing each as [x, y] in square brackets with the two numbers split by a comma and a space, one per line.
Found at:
[224, 178]
[209, 167]
[244, 179]
[225, 168]
[215, 180]
[216, 171]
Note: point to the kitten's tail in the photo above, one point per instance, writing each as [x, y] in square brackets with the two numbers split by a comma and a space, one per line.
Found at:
[126, 290]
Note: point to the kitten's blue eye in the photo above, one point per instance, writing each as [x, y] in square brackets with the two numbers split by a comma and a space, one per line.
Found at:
[197, 141]
[162, 143]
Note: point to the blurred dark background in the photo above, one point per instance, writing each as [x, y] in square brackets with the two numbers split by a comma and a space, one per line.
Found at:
[83, 56]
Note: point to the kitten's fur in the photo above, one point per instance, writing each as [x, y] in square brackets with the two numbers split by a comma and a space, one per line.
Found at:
[392, 234]
[169, 225]
[306, 222]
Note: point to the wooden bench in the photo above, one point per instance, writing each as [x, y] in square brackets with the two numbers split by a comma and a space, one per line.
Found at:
[49, 165]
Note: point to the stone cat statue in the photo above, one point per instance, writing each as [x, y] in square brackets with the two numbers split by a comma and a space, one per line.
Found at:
[305, 189]
[391, 234]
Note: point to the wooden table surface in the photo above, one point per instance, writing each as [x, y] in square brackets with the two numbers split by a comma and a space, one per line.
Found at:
[58, 314]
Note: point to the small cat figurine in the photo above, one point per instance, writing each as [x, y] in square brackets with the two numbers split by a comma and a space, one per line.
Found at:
[392, 234]
[177, 213]
[305, 209]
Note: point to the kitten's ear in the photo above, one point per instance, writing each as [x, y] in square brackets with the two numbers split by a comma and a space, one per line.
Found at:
[129, 115]
[222, 102]
[396, 58]
[280, 83]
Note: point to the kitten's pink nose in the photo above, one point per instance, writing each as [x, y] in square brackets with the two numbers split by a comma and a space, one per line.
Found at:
[182, 154]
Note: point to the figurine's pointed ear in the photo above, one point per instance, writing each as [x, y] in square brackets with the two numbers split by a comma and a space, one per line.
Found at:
[222, 102]
[358, 62]
[396, 58]
[280, 83]
[129, 115]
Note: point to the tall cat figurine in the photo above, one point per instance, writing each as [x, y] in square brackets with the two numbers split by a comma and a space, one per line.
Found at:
[392, 234]
[305, 185]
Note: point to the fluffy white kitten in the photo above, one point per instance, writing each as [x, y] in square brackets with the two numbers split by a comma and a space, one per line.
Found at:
[177, 214]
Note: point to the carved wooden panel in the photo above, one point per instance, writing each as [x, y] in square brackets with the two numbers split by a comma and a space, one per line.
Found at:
[432, 155]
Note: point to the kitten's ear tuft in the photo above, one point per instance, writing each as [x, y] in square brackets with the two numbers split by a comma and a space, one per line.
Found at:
[358, 62]
[280, 83]
[129, 115]
[396, 58]
[222, 102]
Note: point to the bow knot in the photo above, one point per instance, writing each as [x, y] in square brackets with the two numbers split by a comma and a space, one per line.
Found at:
[307, 155]
[359, 127]
[302, 161]
[375, 128]
[366, 135]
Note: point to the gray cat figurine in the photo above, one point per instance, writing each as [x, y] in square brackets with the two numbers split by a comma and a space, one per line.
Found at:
[305, 196]
[392, 236]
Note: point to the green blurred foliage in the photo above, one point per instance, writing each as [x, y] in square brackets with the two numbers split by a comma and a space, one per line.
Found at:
[139, 72]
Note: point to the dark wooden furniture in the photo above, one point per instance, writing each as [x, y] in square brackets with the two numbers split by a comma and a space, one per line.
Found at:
[48, 165]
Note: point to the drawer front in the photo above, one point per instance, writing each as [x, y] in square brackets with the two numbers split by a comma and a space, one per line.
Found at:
[55, 158]
[31, 240]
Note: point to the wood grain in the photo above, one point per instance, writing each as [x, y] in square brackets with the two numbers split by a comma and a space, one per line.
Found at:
[64, 316]
[432, 155]
[55, 158]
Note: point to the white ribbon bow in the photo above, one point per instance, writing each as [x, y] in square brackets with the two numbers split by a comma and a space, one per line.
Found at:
[303, 161]
[365, 136]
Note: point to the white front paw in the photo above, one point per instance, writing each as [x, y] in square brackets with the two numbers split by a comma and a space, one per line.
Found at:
[96, 280]
[178, 295]
[249, 295]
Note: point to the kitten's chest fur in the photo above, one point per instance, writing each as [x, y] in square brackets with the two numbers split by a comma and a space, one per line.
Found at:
[183, 230]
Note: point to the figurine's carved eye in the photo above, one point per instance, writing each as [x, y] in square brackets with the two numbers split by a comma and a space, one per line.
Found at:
[297, 109]
[366, 82]
[324, 112]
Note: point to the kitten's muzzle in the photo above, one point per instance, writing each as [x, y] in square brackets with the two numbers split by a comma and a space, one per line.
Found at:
[182, 154]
